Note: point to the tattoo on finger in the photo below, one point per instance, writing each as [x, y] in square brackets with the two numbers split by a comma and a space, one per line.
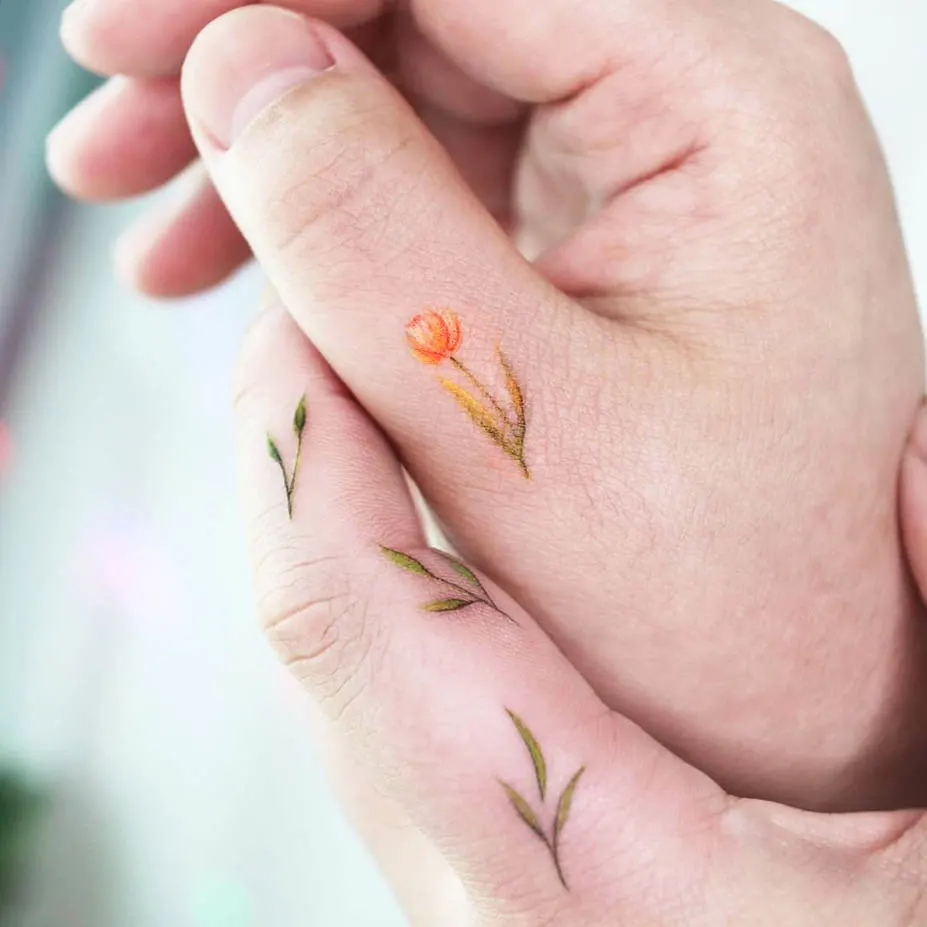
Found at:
[550, 835]
[273, 449]
[434, 336]
[465, 591]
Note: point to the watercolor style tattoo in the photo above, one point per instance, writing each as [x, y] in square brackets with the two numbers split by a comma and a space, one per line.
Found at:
[289, 482]
[459, 595]
[527, 813]
[435, 336]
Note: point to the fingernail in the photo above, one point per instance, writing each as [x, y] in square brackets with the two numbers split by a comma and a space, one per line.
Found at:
[286, 52]
[919, 434]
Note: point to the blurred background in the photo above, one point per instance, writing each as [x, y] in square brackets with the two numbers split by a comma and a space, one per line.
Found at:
[154, 768]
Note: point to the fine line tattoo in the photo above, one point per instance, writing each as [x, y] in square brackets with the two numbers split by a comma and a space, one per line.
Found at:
[459, 595]
[289, 482]
[549, 837]
[435, 336]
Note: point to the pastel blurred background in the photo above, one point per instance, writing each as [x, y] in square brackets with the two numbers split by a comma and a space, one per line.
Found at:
[154, 768]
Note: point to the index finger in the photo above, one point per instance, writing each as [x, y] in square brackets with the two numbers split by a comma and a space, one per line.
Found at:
[150, 38]
[552, 50]
[546, 805]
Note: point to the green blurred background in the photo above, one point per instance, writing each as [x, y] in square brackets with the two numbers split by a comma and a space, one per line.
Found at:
[154, 766]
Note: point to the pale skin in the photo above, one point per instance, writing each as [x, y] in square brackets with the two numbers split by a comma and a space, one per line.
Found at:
[722, 384]
[410, 708]
[718, 340]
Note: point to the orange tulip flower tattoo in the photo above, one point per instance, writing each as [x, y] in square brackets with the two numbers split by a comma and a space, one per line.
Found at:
[434, 336]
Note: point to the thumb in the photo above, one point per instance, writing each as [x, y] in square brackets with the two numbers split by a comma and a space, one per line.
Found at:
[914, 500]
[361, 221]
[461, 709]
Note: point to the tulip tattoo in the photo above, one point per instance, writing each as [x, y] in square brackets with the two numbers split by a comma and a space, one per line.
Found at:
[457, 595]
[289, 482]
[525, 809]
[435, 336]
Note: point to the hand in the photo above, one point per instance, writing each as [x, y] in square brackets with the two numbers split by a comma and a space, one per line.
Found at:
[458, 740]
[709, 372]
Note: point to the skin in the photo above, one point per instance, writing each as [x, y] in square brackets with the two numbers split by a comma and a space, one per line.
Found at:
[717, 338]
[410, 709]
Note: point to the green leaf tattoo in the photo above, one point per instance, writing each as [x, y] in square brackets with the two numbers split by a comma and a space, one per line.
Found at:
[462, 569]
[404, 561]
[566, 803]
[463, 596]
[273, 450]
[516, 447]
[528, 814]
[537, 754]
[524, 809]
[299, 417]
[448, 605]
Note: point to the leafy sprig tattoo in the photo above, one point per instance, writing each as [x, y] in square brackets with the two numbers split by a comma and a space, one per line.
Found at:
[459, 595]
[289, 482]
[551, 836]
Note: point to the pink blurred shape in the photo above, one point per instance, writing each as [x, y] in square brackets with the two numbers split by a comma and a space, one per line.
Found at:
[121, 562]
[6, 447]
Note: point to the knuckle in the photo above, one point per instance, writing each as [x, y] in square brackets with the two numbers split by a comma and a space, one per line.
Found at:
[319, 626]
[796, 46]
[823, 50]
[335, 160]
[804, 84]
[347, 210]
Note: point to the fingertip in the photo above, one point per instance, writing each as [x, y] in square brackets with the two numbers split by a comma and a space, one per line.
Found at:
[149, 39]
[273, 339]
[243, 62]
[182, 248]
[126, 138]
[310, 458]
[95, 39]
[137, 266]
[74, 31]
[137, 259]
[58, 162]
[65, 145]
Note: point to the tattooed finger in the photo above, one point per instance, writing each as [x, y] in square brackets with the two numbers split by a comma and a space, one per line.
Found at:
[386, 259]
[437, 682]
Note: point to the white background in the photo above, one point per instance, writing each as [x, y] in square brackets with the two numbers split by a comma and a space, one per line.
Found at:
[189, 794]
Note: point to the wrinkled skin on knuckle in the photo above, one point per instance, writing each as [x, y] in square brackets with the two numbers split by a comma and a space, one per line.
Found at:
[336, 157]
[316, 622]
[818, 47]
[786, 83]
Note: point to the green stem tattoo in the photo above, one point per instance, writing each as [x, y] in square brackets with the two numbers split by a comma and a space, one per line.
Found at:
[507, 429]
[289, 482]
[549, 837]
[484, 390]
[473, 592]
